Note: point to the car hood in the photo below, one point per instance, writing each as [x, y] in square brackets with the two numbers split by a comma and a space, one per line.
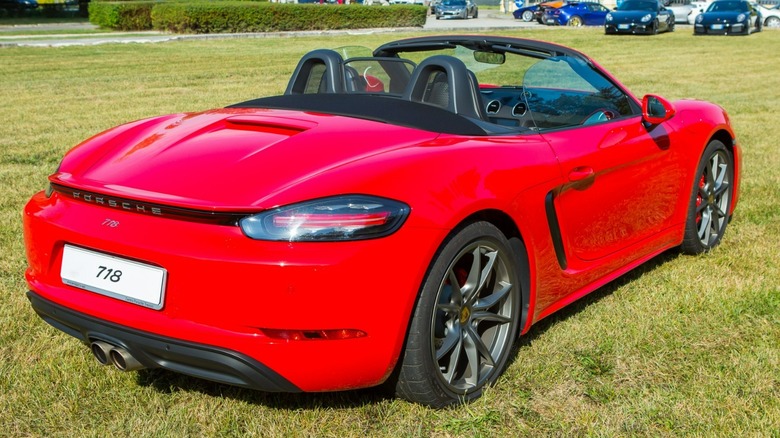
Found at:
[228, 159]
[721, 17]
[630, 16]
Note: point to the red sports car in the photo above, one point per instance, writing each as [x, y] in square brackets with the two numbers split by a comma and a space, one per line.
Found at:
[398, 216]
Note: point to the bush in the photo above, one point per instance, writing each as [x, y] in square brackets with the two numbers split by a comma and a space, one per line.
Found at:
[236, 17]
[132, 15]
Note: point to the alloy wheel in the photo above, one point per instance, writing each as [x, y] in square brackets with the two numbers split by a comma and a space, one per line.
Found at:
[712, 200]
[472, 320]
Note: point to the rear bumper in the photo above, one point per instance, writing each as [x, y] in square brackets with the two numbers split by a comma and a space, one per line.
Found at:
[154, 351]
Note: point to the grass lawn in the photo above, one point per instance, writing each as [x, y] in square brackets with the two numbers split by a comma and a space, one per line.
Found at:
[682, 346]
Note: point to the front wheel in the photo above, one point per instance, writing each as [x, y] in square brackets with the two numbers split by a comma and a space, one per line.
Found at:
[708, 210]
[465, 321]
[528, 16]
[772, 22]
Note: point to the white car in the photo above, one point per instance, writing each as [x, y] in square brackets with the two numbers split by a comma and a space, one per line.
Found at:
[680, 8]
[770, 15]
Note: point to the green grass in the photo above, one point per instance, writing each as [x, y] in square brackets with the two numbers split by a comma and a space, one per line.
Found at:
[682, 346]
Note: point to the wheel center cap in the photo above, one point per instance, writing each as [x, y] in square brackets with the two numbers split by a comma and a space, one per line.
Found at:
[465, 313]
[711, 199]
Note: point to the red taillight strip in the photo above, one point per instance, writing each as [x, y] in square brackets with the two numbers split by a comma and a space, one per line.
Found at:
[149, 209]
[317, 221]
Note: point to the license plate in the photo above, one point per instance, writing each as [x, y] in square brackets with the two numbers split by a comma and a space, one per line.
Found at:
[116, 277]
[717, 27]
[622, 26]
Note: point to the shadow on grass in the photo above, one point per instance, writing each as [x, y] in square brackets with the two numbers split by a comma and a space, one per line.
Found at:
[170, 382]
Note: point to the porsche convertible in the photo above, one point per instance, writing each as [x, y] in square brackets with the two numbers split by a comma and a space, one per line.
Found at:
[396, 218]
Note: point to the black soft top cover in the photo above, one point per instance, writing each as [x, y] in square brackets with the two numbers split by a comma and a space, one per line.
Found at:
[377, 107]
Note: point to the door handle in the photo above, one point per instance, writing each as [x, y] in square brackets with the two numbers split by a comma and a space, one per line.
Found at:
[580, 173]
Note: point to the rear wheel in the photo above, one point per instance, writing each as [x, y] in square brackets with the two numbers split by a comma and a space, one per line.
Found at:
[575, 21]
[465, 321]
[708, 210]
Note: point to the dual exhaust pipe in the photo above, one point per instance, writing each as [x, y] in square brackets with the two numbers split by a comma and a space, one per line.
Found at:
[108, 354]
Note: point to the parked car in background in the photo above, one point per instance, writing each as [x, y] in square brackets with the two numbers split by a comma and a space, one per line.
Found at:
[14, 7]
[639, 17]
[543, 7]
[525, 13]
[576, 14]
[771, 15]
[729, 17]
[680, 8]
[456, 9]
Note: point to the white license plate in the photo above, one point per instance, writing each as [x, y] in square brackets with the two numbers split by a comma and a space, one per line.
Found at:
[622, 26]
[717, 27]
[119, 278]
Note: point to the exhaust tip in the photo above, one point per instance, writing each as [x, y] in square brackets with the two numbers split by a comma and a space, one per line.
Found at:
[101, 351]
[123, 360]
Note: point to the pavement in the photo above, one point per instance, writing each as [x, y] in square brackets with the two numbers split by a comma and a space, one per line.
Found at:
[39, 38]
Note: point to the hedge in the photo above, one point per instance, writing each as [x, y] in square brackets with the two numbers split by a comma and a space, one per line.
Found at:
[242, 16]
[132, 15]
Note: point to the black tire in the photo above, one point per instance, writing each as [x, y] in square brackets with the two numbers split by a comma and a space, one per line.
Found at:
[708, 209]
[476, 13]
[460, 338]
[654, 31]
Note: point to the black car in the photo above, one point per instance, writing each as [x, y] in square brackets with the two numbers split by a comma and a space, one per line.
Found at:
[13, 7]
[728, 17]
[640, 17]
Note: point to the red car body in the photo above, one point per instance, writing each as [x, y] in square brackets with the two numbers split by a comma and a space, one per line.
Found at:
[588, 204]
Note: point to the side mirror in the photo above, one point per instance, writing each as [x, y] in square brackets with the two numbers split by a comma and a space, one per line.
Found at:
[656, 109]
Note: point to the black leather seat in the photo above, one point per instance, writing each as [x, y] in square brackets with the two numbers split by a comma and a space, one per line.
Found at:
[444, 81]
[319, 71]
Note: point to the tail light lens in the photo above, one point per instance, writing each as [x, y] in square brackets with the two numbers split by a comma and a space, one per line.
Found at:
[340, 218]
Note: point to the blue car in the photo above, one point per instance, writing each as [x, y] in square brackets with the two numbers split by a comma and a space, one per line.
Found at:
[728, 17]
[577, 14]
[639, 17]
[525, 13]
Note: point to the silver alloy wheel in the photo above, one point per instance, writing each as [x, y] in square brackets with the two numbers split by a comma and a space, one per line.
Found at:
[528, 15]
[712, 201]
[772, 22]
[473, 315]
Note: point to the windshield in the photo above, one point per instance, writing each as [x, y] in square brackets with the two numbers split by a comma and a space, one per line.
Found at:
[453, 2]
[539, 92]
[638, 5]
[728, 6]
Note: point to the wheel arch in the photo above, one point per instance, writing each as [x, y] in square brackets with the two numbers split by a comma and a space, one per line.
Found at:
[730, 142]
[517, 243]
